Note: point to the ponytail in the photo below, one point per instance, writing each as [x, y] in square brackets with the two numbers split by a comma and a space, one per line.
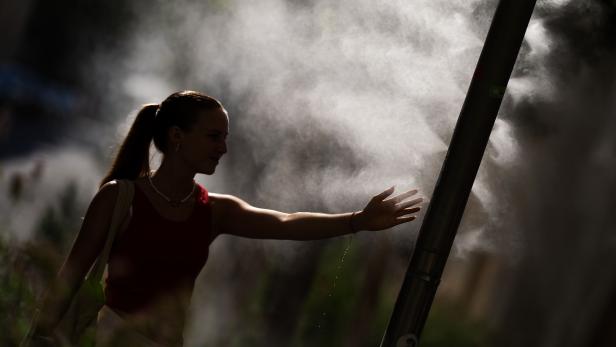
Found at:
[133, 158]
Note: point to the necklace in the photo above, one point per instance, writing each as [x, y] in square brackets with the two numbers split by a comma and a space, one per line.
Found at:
[173, 203]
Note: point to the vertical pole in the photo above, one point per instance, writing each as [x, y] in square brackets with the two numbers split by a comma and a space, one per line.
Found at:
[455, 181]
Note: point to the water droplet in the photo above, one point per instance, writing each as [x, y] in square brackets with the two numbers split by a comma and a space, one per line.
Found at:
[333, 287]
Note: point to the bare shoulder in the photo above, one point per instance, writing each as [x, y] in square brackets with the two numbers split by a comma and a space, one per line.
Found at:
[224, 198]
[223, 203]
[105, 198]
[229, 207]
[223, 207]
[99, 213]
[108, 192]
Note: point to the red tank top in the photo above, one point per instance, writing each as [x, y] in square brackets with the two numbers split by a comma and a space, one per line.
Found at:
[155, 256]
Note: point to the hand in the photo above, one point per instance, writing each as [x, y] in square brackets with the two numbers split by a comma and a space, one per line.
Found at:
[382, 214]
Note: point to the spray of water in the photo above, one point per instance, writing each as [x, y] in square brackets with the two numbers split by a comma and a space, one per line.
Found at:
[330, 103]
[333, 101]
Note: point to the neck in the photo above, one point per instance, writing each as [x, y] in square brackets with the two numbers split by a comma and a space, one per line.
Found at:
[173, 181]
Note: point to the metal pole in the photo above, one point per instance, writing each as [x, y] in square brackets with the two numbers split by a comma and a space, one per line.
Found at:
[455, 181]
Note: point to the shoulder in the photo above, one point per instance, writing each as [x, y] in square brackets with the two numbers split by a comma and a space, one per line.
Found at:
[225, 201]
[108, 193]
[102, 204]
[228, 206]
[225, 208]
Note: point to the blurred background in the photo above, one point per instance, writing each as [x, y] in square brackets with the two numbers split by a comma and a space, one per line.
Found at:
[330, 103]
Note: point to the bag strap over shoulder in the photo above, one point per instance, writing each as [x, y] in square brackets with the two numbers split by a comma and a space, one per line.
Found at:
[120, 213]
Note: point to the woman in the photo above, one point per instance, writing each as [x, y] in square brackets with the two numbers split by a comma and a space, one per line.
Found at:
[164, 244]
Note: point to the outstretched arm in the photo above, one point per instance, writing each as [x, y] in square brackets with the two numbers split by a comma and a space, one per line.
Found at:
[236, 217]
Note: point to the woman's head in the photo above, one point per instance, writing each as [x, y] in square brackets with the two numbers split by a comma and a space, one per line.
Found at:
[181, 110]
[187, 125]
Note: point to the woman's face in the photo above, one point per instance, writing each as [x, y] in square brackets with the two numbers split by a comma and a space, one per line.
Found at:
[204, 145]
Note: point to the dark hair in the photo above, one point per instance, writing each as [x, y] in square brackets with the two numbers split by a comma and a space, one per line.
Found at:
[152, 122]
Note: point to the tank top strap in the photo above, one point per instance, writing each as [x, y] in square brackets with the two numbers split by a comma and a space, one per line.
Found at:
[203, 197]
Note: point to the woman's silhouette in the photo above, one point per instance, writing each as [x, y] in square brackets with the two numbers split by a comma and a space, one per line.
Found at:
[163, 245]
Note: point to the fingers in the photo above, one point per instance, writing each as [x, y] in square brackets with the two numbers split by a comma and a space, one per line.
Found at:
[407, 219]
[403, 196]
[409, 203]
[404, 215]
[406, 211]
[384, 194]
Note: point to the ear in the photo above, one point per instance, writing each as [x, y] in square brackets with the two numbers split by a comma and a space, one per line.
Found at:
[175, 134]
